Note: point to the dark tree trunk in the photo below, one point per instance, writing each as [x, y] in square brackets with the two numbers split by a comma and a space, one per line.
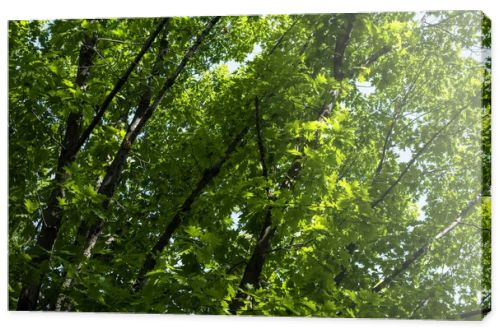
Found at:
[208, 175]
[28, 298]
[88, 234]
[255, 264]
[72, 143]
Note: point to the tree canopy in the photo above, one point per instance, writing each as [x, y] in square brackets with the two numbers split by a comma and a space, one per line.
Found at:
[333, 165]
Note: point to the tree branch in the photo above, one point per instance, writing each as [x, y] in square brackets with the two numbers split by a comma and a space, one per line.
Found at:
[118, 86]
[424, 248]
[372, 58]
[414, 159]
[280, 40]
[263, 245]
[208, 175]
[340, 47]
[28, 299]
[260, 142]
[386, 146]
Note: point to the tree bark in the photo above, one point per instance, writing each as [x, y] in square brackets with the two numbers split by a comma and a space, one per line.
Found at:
[254, 266]
[52, 214]
[88, 234]
[340, 47]
[263, 245]
[208, 175]
[71, 146]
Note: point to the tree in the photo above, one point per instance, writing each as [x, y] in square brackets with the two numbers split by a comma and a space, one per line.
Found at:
[328, 165]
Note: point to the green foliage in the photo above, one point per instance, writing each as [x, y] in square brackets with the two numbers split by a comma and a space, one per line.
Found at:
[414, 100]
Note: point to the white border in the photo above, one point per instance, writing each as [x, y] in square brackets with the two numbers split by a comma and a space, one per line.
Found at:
[17, 322]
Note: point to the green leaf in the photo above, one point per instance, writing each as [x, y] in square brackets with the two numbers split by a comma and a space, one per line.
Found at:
[30, 205]
[67, 83]
[193, 231]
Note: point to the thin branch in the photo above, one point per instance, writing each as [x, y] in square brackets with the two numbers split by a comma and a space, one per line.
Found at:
[424, 248]
[419, 306]
[111, 66]
[386, 144]
[414, 159]
[260, 142]
[280, 40]
[292, 246]
[51, 136]
[118, 86]
[236, 265]
[117, 41]
[397, 115]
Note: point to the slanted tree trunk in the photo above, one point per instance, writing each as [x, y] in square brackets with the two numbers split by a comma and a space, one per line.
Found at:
[72, 144]
[28, 298]
[208, 175]
[255, 264]
[89, 232]
[252, 271]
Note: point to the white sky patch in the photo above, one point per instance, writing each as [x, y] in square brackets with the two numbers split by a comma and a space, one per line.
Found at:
[235, 217]
[443, 270]
[233, 65]
[425, 18]
[478, 54]
[403, 155]
[365, 88]
[422, 201]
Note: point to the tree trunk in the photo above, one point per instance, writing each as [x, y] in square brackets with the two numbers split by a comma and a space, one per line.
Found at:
[89, 234]
[72, 144]
[28, 298]
[263, 245]
[208, 175]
